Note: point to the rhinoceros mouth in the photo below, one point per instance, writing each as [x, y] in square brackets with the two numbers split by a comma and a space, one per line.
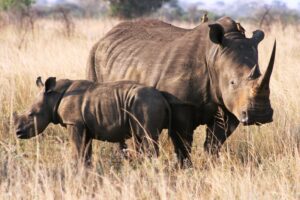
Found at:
[22, 134]
[258, 122]
[258, 118]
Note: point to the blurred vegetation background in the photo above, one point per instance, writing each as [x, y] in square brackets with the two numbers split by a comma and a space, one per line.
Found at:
[252, 11]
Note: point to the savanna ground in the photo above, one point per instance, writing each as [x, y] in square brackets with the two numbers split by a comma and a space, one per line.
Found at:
[256, 162]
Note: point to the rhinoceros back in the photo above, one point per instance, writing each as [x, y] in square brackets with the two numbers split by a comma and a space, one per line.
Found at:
[152, 52]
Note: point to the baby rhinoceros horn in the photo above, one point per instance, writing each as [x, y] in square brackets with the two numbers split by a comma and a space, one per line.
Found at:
[15, 115]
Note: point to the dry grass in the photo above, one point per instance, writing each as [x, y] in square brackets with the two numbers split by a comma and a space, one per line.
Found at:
[256, 162]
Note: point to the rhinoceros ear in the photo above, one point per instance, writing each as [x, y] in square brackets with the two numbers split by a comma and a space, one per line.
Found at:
[50, 84]
[216, 33]
[258, 36]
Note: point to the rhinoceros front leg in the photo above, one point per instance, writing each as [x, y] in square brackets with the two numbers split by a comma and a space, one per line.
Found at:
[81, 144]
[182, 141]
[218, 130]
[182, 130]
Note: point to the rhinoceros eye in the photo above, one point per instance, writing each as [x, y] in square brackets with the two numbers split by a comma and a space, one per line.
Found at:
[233, 84]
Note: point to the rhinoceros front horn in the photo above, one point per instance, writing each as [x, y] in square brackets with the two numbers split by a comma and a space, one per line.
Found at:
[264, 82]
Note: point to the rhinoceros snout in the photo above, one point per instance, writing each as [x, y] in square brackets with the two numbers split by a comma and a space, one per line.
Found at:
[22, 134]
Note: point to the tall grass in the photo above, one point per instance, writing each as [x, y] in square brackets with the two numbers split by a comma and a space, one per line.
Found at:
[256, 162]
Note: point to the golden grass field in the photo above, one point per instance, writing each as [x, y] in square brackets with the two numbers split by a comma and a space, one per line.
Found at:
[255, 163]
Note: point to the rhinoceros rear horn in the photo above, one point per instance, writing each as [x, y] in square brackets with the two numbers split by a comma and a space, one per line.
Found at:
[258, 36]
[254, 73]
[216, 33]
[266, 78]
[15, 114]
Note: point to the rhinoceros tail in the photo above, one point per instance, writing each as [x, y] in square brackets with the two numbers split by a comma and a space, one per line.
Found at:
[91, 74]
[165, 95]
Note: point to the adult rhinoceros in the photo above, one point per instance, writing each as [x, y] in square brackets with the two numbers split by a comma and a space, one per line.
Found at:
[213, 66]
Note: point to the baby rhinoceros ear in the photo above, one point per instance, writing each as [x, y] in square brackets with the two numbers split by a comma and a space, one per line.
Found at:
[39, 82]
[50, 84]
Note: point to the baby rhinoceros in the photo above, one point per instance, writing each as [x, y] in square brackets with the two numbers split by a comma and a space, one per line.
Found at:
[110, 112]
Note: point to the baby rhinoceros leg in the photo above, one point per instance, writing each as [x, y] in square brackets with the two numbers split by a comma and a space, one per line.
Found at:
[81, 143]
[148, 114]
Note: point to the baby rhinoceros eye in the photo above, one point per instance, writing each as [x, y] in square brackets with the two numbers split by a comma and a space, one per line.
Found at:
[31, 114]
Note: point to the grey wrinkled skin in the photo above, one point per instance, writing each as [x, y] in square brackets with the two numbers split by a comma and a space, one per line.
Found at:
[109, 112]
[213, 67]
